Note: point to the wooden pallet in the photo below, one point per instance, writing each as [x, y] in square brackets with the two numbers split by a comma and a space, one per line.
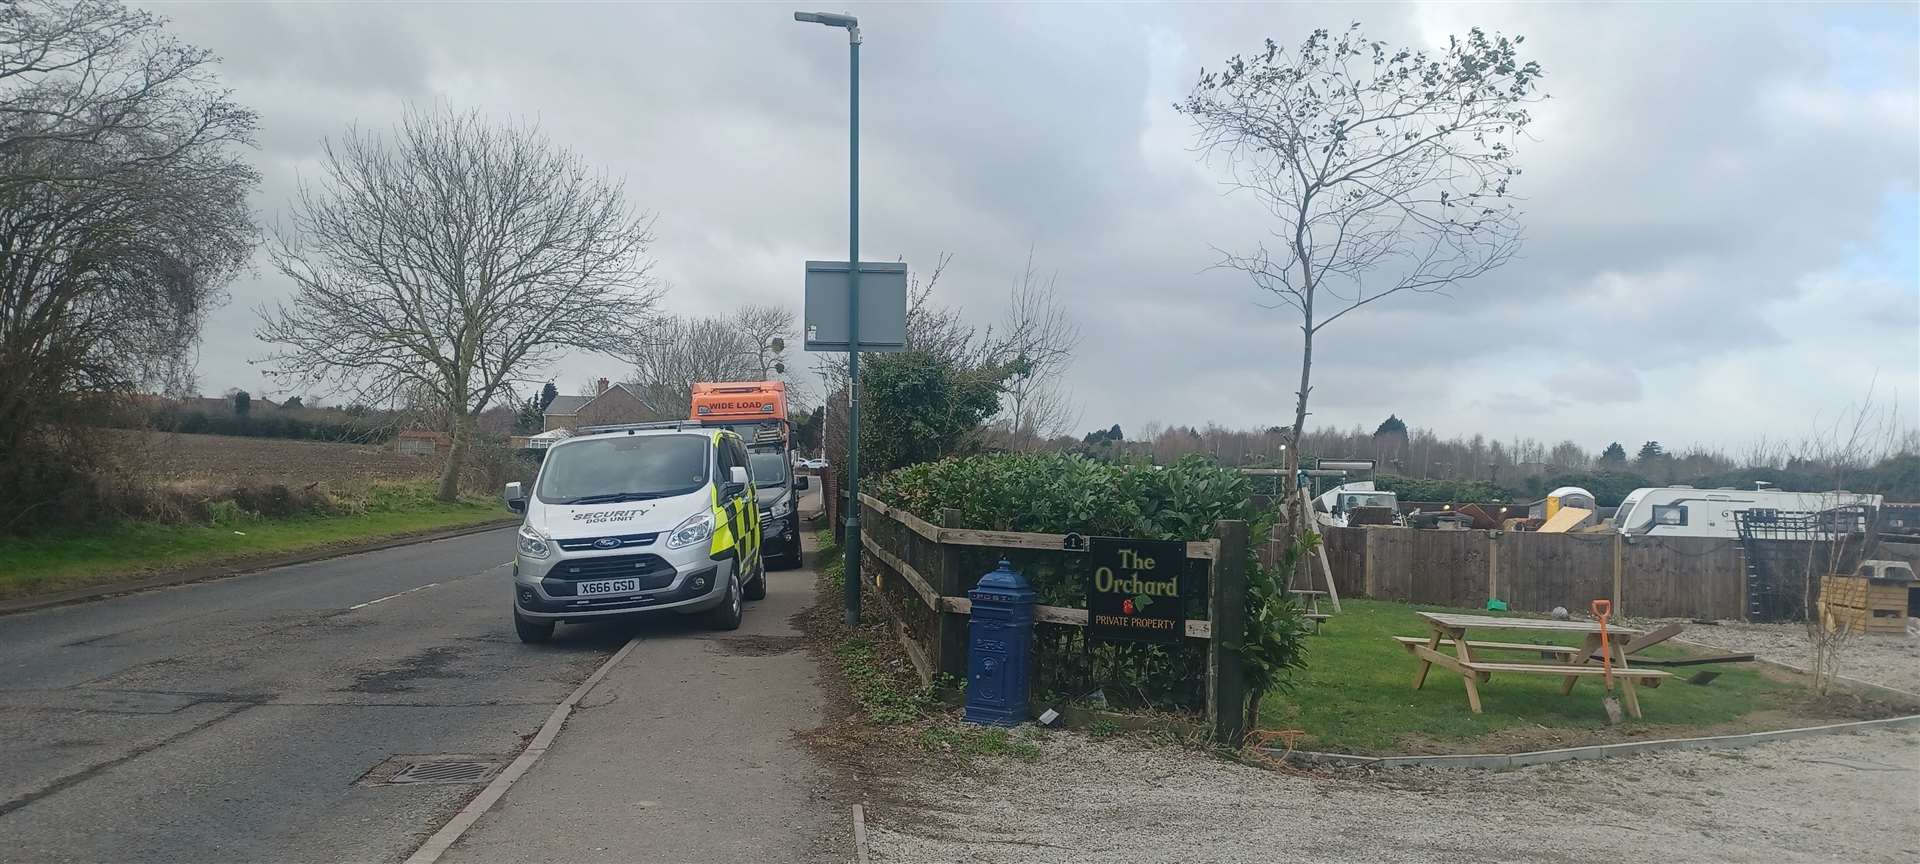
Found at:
[1864, 605]
[1884, 621]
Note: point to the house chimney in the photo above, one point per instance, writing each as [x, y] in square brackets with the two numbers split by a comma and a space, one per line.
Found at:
[601, 387]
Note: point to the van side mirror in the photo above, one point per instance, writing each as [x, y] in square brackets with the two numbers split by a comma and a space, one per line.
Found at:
[516, 499]
[736, 481]
[800, 482]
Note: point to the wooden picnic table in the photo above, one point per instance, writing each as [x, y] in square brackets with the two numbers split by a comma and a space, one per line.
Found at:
[1570, 664]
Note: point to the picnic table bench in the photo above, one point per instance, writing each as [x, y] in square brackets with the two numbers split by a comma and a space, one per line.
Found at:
[1572, 665]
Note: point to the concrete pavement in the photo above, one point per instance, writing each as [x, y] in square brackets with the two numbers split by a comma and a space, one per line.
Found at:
[685, 752]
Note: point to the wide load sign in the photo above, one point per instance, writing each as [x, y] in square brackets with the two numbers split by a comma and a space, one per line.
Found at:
[1134, 592]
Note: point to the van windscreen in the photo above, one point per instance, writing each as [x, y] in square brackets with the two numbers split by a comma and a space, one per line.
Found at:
[626, 468]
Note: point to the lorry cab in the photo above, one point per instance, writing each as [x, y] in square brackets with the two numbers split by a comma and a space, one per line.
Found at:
[644, 518]
[757, 411]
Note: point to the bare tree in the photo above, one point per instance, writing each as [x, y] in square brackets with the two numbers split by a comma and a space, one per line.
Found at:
[746, 346]
[1041, 333]
[1857, 439]
[766, 330]
[460, 256]
[123, 214]
[1385, 172]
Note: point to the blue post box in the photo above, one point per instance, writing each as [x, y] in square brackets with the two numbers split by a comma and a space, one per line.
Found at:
[999, 648]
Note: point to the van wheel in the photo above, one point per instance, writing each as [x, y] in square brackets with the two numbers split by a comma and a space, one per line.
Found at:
[532, 632]
[726, 616]
[757, 589]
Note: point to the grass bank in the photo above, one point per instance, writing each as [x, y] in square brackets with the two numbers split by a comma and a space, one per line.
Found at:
[65, 560]
[1356, 696]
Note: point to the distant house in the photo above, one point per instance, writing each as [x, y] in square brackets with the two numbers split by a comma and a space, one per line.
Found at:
[611, 403]
[420, 442]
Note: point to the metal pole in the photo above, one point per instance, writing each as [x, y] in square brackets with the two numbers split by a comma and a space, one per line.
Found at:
[852, 540]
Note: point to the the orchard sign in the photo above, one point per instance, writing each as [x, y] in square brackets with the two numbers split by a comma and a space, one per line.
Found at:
[1134, 592]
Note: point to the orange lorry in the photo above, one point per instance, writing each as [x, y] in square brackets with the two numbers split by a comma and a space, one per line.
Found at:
[757, 411]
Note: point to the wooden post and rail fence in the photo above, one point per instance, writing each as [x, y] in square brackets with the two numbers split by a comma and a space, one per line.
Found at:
[921, 578]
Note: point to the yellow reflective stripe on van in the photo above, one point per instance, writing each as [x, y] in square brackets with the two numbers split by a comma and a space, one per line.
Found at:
[736, 524]
[722, 524]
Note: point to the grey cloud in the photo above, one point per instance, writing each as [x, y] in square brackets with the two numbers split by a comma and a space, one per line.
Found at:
[1704, 180]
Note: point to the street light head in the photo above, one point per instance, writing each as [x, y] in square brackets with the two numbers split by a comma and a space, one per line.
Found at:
[831, 19]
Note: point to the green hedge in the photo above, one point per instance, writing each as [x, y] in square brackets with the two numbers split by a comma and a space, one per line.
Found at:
[1058, 494]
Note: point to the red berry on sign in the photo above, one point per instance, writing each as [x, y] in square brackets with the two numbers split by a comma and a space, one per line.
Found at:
[1127, 606]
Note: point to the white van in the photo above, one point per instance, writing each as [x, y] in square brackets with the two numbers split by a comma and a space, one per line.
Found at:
[1683, 511]
[636, 520]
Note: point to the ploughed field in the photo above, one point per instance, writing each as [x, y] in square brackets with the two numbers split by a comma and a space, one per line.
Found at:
[172, 456]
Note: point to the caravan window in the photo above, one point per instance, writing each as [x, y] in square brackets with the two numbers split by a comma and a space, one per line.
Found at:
[1669, 514]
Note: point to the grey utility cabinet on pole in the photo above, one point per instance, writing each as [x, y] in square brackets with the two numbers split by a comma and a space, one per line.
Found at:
[883, 306]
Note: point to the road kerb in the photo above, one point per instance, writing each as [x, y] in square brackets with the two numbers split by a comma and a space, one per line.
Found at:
[1497, 761]
[450, 833]
[859, 834]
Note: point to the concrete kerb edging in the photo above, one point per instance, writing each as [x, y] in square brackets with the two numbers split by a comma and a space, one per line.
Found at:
[1597, 751]
[859, 834]
[450, 833]
[210, 572]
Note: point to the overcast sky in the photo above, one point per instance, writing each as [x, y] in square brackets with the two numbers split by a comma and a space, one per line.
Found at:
[1721, 229]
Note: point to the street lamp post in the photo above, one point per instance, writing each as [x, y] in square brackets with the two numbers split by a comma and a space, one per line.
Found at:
[850, 541]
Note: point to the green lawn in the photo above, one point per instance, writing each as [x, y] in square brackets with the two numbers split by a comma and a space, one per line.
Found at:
[65, 560]
[1356, 695]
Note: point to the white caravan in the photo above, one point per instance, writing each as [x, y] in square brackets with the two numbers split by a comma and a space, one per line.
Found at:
[1683, 511]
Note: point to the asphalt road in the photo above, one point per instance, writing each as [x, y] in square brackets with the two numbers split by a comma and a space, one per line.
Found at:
[238, 720]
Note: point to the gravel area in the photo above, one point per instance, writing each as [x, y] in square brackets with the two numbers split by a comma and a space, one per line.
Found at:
[1833, 798]
[1886, 660]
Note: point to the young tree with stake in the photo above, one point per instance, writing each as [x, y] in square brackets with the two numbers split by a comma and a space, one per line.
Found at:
[452, 259]
[1385, 171]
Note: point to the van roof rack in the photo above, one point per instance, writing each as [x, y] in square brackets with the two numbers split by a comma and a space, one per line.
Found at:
[643, 427]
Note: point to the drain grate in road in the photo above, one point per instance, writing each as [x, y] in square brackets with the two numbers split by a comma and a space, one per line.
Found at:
[439, 768]
[445, 772]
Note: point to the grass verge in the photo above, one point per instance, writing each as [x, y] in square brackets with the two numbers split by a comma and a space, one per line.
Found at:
[1356, 696]
[898, 712]
[60, 561]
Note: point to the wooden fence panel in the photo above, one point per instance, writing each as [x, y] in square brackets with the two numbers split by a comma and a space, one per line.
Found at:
[1540, 571]
[1682, 577]
[1449, 568]
[1389, 562]
[1347, 554]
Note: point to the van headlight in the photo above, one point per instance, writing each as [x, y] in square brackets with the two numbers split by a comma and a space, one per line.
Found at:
[533, 544]
[780, 508]
[696, 529]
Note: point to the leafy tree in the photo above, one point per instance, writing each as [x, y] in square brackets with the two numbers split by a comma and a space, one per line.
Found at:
[242, 403]
[1114, 434]
[293, 402]
[806, 433]
[1384, 171]
[917, 407]
[1650, 452]
[1393, 425]
[1614, 454]
[531, 416]
[548, 393]
[123, 215]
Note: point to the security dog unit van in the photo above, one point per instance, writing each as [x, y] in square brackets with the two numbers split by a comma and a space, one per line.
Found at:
[635, 519]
